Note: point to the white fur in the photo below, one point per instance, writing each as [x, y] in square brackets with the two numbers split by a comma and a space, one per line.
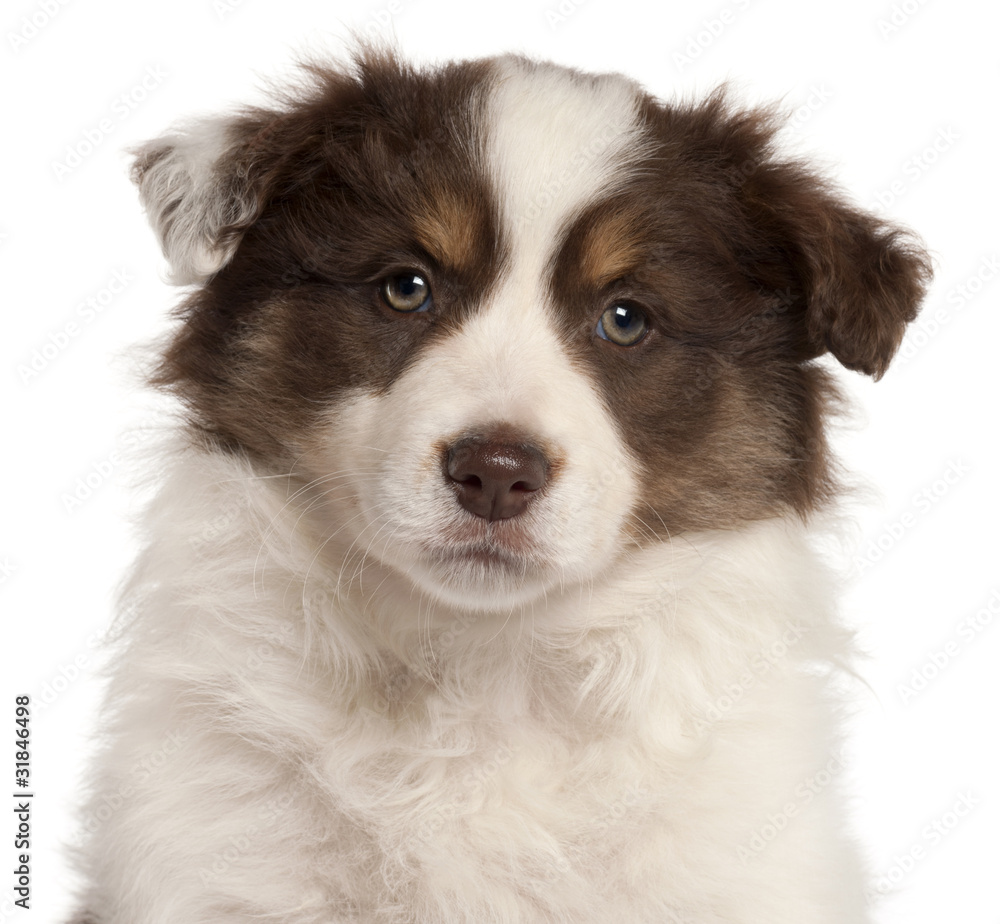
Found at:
[314, 723]
[556, 140]
[582, 766]
[187, 202]
[392, 503]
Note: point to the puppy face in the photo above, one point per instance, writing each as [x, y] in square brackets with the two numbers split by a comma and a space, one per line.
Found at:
[511, 322]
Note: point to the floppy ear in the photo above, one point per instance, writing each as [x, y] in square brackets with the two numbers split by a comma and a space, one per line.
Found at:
[201, 188]
[204, 185]
[861, 280]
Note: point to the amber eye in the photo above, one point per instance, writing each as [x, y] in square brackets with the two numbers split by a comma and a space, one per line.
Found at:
[623, 324]
[406, 292]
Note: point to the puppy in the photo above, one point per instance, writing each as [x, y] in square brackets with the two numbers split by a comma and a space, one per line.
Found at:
[479, 585]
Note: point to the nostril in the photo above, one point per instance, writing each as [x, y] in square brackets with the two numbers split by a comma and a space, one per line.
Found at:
[495, 477]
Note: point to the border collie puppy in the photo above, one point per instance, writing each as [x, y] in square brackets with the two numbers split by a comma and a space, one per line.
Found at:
[478, 586]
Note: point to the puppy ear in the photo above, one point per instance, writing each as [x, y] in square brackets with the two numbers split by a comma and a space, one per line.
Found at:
[861, 279]
[201, 188]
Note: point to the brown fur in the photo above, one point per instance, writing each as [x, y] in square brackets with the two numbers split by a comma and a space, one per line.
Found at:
[362, 176]
[748, 266]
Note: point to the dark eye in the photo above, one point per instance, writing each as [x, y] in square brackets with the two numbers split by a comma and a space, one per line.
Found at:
[623, 324]
[406, 292]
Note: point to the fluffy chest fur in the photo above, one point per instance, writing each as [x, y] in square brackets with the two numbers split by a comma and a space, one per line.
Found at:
[615, 751]
[479, 585]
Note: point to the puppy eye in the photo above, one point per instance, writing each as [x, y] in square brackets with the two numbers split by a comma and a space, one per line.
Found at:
[406, 292]
[623, 324]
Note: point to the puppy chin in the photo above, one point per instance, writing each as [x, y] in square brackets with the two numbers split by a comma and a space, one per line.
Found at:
[477, 578]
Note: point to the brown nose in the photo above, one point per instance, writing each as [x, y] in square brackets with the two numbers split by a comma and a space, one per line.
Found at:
[495, 478]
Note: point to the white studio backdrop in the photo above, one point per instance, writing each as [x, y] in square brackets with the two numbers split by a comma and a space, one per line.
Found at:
[897, 99]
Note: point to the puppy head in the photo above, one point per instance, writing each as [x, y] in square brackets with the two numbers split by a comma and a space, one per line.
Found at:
[512, 321]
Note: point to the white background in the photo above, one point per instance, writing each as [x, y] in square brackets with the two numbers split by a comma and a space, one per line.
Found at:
[897, 100]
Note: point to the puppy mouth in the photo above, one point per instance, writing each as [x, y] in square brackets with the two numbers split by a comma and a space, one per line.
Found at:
[499, 540]
[498, 547]
[484, 554]
[481, 575]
